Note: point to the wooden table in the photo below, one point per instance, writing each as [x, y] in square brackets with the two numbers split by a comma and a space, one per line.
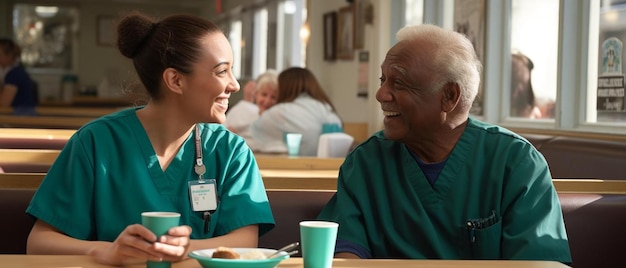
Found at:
[36, 133]
[45, 261]
[65, 122]
[68, 111]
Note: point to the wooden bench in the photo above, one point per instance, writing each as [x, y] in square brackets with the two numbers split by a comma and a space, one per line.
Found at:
[67, 111]
[62, 122]
[27, 160]
[36, 133]
[327, 181]
[297, 163]
[28, 138]
[272, 179]
[32, 156]
[22, 158]
[358, 130]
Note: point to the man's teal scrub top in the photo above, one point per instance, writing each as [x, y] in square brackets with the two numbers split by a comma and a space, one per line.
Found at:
[108, 174]
[493, 179]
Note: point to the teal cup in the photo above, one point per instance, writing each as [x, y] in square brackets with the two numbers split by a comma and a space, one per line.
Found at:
[293, 141]
[159, 223]
[317, 242]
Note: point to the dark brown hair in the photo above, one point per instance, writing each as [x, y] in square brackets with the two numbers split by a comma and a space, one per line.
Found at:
[154, 46]
[294, 81]
[10, 48]
[522, 95]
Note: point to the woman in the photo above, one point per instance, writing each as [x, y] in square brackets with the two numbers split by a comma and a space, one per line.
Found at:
[151, 158]
[302, 107]
[262, 96]
[17, 89]
[522, 94]
[266, 94]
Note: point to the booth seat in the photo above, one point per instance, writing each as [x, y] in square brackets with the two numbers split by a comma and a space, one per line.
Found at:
[595, 223]
[596, 228]
[585, 158]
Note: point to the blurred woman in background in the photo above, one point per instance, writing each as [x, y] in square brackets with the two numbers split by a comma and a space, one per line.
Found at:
[302, 107]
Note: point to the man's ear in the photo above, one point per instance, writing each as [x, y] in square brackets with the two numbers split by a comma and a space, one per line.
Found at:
[173, 80]
[450, 97]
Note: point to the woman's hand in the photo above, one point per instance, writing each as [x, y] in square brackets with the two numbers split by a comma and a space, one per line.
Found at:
[133, 245]
[174, 246]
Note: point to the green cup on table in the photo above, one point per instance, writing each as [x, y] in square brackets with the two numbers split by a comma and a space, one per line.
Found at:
[317, 241]
[159, 223]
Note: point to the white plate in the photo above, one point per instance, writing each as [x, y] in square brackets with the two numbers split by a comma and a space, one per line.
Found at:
[203, 256]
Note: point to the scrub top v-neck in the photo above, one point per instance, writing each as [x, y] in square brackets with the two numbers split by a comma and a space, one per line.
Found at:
[108, 174]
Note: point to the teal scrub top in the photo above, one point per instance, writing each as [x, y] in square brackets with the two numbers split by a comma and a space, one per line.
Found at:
[492, 177]
[108, 174]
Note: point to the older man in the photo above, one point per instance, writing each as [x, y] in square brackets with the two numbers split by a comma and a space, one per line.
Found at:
[436, 183]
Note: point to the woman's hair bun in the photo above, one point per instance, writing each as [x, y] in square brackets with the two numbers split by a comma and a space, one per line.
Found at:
[132, 32]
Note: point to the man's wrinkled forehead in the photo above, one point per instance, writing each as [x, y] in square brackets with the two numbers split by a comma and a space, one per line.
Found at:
[399, 57]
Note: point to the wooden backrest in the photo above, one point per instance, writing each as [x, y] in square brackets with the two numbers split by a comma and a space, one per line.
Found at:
[62, 122]
[327, 181]
[37, 133]
[296, 163]
[32, 156]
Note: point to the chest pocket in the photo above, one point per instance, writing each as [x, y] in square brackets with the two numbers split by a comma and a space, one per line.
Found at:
[487, 242]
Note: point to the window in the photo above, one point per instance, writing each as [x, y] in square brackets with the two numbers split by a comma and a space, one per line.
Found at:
[46, 35]
[259, 46]
[605, 97]
[291, 20]
[265, 35]
[414, 12]
[235, 38]
[534, 50]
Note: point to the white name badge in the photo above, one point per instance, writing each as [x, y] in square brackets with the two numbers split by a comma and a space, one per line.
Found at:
[203, 195]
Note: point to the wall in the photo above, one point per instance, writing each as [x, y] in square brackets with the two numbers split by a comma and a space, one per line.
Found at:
[93, 61]
[339, 78]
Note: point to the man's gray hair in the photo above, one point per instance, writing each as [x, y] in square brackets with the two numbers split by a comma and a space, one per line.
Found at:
[454, 60]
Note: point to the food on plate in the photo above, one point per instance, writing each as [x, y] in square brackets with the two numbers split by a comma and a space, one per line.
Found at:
[229, 253]
[253, 255]
[225, 253]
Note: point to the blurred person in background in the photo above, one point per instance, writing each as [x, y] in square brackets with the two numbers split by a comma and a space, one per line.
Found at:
[240, 116]
[17, 89]
[522, 93]
[303, 107]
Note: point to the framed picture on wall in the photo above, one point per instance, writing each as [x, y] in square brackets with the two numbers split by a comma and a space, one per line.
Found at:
[330, 36]
[345, 33]
[359, 23]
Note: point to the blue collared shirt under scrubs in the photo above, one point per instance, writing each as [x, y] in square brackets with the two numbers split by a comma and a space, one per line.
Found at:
[108, 173]
[494, 199]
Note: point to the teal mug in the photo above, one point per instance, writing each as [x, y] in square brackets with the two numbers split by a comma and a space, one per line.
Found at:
[159, 223]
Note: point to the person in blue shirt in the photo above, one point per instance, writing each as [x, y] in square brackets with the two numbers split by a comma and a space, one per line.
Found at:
[172, 155]
[436, 183]
[17, 89]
